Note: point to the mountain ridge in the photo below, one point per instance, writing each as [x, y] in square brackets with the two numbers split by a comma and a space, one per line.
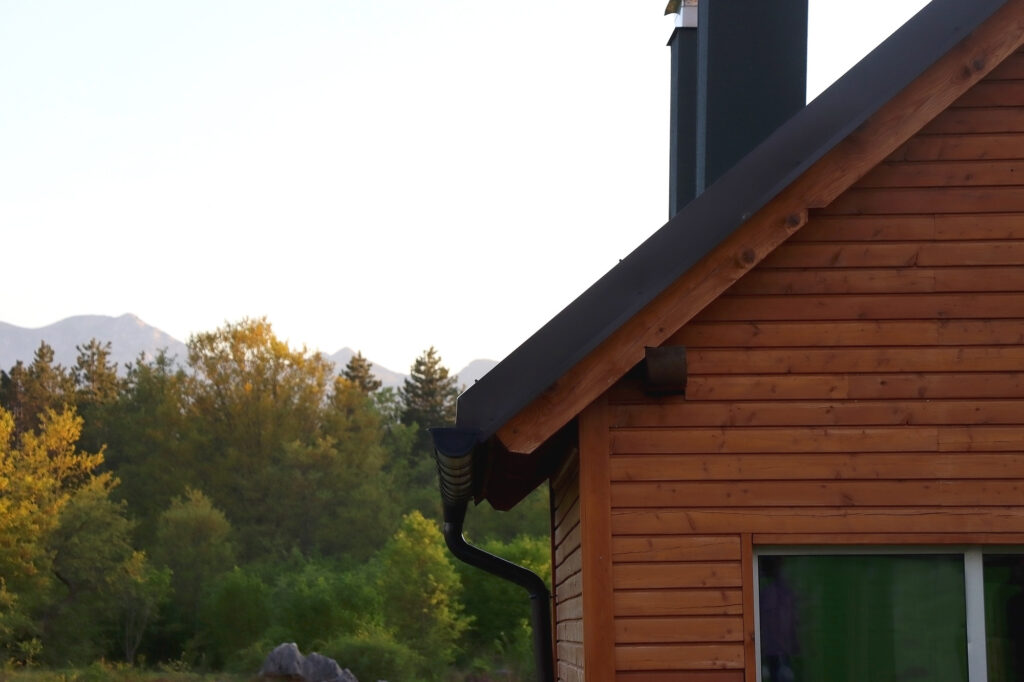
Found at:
[130, 336]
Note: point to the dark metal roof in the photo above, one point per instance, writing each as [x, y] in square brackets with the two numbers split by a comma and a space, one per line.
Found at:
[714, 215]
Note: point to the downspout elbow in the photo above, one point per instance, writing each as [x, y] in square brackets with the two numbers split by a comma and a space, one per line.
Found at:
[453, 451]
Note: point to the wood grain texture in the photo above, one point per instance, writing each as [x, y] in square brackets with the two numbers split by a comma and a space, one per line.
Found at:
[871, 307]
[911, 279]
[845, 520]
[678, 602]
[815, 440]
[913, 228]
[932, 385]
[676, 575]
[595, 487]
[904, 539]
[819, 493]
[677, 629]
[678, 656]
[676, 549]
[859, 466]
[680, 676]
[820, 413]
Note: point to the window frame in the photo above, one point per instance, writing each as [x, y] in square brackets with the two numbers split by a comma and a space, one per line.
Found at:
[974, 587]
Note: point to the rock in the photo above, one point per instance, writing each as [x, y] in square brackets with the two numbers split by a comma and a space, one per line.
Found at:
[284, 661]
[287, 661]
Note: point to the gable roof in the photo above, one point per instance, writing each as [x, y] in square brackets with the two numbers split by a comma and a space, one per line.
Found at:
[853, 125]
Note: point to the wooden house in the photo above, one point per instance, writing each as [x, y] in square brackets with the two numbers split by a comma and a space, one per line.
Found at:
[828, 481]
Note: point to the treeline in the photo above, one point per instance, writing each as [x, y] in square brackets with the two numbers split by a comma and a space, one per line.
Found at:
[198, 515]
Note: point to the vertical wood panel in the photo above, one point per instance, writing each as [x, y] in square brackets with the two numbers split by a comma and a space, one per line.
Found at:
[595, 521]
[749, 651]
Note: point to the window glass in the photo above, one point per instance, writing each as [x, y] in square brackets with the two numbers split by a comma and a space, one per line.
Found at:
[1004, 617]
[850, 618]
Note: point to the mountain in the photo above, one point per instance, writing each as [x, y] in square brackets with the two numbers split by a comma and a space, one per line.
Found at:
[127, 334]
[465, 377]
[387, 376]
[473, 371]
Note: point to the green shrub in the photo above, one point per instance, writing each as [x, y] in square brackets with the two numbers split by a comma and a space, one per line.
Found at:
[375, 656]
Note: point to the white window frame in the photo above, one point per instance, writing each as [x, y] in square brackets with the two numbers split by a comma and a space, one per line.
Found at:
[974, 588]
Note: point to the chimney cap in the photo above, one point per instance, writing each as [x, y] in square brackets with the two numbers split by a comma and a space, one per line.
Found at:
[686, 16]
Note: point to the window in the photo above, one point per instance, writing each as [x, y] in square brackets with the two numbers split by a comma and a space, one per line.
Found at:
[890, 614]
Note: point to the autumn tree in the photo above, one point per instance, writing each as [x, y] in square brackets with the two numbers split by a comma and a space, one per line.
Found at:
[358, 370]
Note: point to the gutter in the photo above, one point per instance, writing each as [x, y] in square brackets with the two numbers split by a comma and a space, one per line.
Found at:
[453, 452]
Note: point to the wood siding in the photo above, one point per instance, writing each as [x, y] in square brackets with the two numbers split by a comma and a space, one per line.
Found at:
[566, 571]
[864, 383]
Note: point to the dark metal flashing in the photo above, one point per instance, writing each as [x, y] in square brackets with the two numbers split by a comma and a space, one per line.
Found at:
[720, 210]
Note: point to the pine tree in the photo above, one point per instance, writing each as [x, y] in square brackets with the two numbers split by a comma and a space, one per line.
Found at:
[357, 370]
[428, 395]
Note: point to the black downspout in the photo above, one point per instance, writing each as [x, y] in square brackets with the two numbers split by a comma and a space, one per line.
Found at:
[540, 598]
[453, 450]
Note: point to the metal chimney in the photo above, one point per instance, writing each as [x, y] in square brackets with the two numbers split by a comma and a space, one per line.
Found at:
[736, 77]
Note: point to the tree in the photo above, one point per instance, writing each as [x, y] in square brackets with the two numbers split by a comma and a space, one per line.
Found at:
[97, 388]
[28, 392]
[94, 565]
[249, 396]
[152, 440]
[420, 592]
[358, 371]
[193, 540]
[428, 396]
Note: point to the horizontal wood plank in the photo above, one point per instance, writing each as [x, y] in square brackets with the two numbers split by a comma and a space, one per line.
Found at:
[855, 359]
[571, 608]
[835, 413]
[679, 676]
[822, 279]
[963, 200]
[568, 584]
[816, 520]
[819, 493]
[977, 120]
[867, 539]
[850, 333]
[988, 146]
[1011, 68]
[569, 545]
[819, 440]
[678, 656]
[568, 672]
[571, 652]
[678, 549]
[857, 386]
[676, 575]
[897, 255]
[993, 92]
[820, 413]
[685, 602]
[927, 227]
[569, 630]
[803, 467]
[945, 174]
[664, 630]
[870, 307]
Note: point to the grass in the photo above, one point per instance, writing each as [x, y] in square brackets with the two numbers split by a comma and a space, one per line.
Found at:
[102, 671]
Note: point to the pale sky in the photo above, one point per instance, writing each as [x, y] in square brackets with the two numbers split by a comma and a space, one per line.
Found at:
[380, 175]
